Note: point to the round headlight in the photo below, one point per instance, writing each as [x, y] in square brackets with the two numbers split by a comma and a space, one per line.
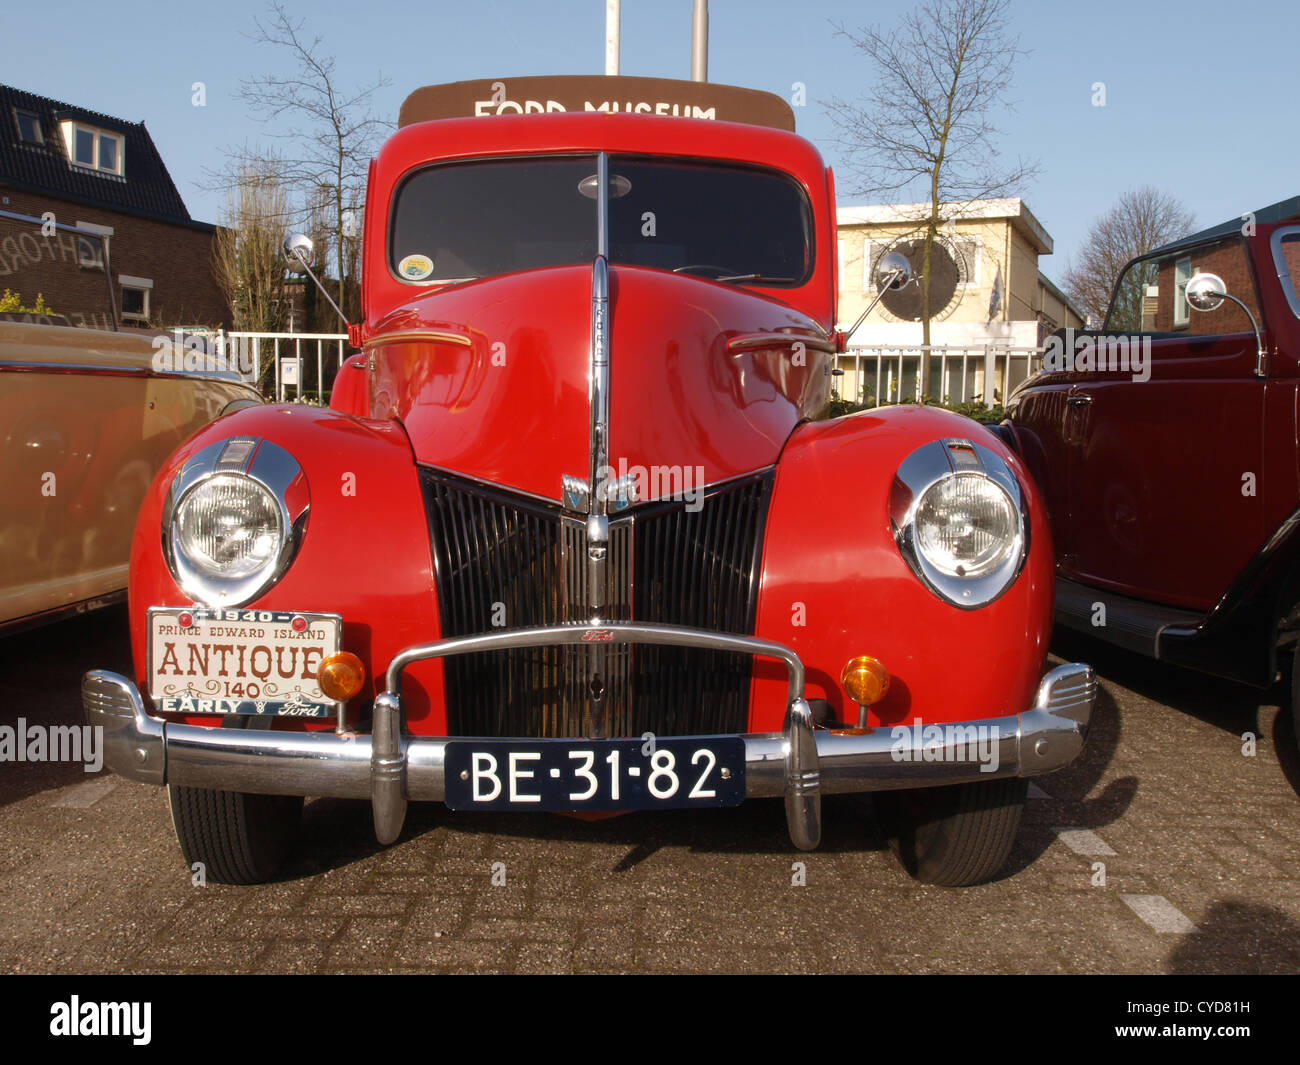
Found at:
[966, 525]
[228, 526]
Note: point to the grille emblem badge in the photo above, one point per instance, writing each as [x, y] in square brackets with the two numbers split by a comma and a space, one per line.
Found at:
[575, 492]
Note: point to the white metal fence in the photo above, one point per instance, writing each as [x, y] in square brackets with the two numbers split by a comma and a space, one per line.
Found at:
[302, 361]
[986, 373]
[883, 374]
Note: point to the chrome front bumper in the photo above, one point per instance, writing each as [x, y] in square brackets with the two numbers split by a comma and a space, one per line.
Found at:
[390, 768]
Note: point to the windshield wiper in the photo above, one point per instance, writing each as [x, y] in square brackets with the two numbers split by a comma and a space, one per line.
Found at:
[754, 277]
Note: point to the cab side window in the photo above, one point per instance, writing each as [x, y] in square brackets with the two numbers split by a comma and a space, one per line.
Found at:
[1286, 256]
[1151, 297]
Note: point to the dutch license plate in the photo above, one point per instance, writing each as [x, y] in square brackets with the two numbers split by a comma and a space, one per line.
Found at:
[240, 661]
[595, 774]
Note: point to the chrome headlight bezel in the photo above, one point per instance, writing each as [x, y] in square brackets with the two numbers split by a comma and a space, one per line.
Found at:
[273, 471]
[931, 465]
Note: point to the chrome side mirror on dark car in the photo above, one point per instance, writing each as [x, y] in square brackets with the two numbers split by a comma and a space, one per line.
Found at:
[1206, 292]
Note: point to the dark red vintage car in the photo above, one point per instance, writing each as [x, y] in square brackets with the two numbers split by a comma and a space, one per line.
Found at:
[572, 536]
[1166, 448]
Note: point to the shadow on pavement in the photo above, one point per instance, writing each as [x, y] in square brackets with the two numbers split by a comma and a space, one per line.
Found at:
[1238, 937]
[338, 832]
[1071, 786]
[42, 669]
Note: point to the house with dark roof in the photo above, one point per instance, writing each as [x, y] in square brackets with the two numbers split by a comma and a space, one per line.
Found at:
[104, 176]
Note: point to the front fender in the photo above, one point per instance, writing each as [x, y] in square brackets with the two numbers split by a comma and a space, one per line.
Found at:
[365, 554]
[834, 584]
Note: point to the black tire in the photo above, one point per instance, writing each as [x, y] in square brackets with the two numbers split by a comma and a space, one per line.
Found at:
[238, 837]
[954, 836]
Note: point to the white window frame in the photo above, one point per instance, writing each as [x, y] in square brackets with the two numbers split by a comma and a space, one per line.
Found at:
[977, 242]
[69, 129]
[1182, 312]
[867, 286]
[136, 284]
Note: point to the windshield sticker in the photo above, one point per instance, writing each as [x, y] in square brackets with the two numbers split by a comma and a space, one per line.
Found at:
[415, 267]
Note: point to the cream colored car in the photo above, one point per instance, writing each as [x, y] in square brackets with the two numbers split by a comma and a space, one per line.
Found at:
[86, 419]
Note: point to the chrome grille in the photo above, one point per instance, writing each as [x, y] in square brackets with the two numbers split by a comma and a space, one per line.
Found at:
[501, 557]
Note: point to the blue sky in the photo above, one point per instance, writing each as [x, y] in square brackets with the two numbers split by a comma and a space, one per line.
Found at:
[1234, 149]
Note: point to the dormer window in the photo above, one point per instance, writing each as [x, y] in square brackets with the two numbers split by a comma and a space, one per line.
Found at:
[93, 149]
[29, 127]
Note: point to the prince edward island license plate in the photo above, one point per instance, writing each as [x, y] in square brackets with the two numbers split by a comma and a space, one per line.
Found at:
[240, 661]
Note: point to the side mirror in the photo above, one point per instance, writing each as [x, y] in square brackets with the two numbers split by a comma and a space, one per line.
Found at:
[299, 254]
[299, 251]
[893, 271]
[1205, 292]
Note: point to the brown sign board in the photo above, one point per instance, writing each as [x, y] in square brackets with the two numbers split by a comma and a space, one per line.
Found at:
[596, 92]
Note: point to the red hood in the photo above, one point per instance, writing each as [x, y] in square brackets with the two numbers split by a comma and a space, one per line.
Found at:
[491, 378]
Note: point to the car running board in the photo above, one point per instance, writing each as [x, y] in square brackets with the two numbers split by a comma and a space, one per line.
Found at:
[1133, 624]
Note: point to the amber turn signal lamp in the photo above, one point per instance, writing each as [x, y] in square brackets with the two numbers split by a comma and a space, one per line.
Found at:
[341, 676]
[865, 680]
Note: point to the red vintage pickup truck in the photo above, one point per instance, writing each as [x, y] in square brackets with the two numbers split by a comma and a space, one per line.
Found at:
[574, 535]
[1166, 447]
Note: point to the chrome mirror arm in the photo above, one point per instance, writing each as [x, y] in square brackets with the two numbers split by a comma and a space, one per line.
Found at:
[298, 251]
[892, 277]
[300, 257]
[1206, 292]
[1259, 337]
[892, 272]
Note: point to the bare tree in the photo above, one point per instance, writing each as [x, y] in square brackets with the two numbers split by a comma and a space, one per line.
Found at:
[329, 132]
[1140, 221]
[247, 261]
[941, 76]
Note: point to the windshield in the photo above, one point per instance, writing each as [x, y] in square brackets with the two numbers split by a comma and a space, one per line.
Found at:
[730, 223]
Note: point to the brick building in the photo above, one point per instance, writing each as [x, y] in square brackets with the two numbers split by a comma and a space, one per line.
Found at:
[103, 176]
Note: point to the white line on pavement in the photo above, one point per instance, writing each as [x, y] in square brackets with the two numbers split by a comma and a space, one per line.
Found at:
[86, 795]
[1082, 840]
[1159, 913]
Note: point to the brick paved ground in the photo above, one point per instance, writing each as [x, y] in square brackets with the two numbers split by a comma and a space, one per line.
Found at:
[91, 879]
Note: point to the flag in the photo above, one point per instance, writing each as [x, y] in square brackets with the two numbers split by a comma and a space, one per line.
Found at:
[995, 298]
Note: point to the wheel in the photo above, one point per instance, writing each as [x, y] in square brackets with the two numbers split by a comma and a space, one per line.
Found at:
[238, 837]
[957, 835]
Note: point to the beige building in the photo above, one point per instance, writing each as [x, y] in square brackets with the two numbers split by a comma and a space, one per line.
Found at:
[993, 306]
